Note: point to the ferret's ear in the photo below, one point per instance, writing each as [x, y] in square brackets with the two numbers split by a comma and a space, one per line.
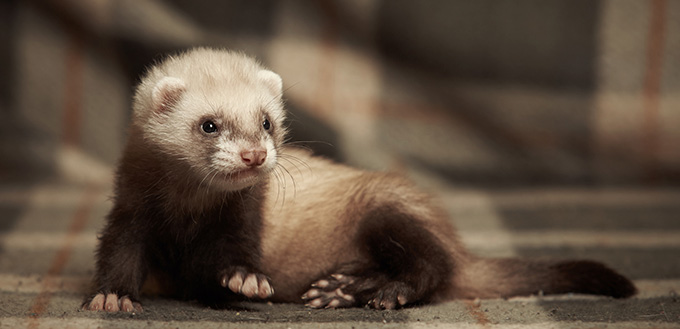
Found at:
[166, 93]
[272, 81]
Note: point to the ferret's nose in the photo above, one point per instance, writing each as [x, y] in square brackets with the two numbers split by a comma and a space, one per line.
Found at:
[254, 158]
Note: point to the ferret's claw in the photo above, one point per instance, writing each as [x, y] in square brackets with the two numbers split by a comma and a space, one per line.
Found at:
[112, 303]
[251, 285]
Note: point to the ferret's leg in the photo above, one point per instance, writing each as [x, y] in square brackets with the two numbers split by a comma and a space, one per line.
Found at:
[403, 264]
[220, 269]
[121, 270]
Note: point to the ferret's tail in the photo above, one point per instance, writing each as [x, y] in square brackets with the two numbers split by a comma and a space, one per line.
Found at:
[491, 278]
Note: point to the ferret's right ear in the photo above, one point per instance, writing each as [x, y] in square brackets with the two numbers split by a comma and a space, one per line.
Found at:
[167, 93]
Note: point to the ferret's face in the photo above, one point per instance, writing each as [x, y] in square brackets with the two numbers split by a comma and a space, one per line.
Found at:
[225, 133]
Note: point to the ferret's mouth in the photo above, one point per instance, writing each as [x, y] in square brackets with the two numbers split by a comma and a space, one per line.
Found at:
[238, 179]
[243, 174]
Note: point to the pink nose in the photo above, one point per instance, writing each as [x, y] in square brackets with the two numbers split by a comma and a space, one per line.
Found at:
[254, 158]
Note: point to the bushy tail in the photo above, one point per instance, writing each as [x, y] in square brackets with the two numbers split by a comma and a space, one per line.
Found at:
[489, 278]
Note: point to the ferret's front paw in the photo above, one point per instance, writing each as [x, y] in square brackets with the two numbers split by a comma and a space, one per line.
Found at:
[251, 285]
[112, 303]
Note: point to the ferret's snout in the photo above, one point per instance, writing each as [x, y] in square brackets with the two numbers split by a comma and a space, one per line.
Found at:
[254, 157]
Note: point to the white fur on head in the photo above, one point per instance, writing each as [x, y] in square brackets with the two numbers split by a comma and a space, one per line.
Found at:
[177, 96]
[166, 93]
[272, 81]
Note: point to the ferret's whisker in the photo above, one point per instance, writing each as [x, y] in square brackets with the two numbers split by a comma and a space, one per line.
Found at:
[292, 178]
[281, 185]
[297, 162]
[211, 180]
[302, 143]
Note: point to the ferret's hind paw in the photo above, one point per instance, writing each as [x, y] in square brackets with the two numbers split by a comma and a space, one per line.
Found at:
[112, 303]
[251, 285]
[376, 292]
[328, 293]
[392, 295]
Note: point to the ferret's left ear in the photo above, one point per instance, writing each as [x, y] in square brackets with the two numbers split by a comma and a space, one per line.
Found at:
[272, 81]
[167, 93]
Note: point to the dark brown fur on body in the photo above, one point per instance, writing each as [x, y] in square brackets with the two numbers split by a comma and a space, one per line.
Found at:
[208, 195]
[150, 230]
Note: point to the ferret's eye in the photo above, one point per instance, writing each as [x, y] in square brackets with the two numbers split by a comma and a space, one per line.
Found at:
[266, 125]
[209, 127]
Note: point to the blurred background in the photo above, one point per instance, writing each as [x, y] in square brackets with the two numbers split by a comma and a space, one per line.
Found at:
[476, 93]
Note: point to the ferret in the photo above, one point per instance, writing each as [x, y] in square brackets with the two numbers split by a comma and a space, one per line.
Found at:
[212, 202]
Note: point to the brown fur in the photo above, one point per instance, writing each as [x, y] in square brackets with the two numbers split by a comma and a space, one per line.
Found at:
[190, 206]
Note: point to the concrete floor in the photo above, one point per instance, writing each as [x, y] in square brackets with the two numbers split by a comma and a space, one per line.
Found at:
[48, 234]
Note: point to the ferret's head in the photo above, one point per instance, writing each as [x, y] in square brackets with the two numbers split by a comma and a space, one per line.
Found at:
[217, 114]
